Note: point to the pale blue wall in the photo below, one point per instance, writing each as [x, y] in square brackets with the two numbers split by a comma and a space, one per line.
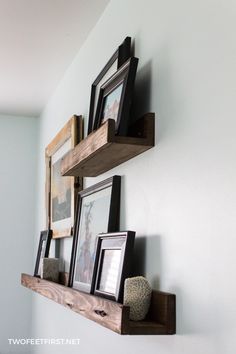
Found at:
[181, 194]
[18, 156]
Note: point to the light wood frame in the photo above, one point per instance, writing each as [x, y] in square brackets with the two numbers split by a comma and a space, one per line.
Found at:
[73, 130]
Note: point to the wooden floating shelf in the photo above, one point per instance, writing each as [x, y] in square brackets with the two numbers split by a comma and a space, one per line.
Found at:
[110, 314]
[102, 150]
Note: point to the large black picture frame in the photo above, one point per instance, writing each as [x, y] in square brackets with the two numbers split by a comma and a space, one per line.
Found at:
[121, 55]
[112, 264]
[91, 219]
[43, 249]
[123, 78]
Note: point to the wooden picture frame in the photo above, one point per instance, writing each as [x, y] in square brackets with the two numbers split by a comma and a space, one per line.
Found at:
[121, 55]
[112, 264]
[61, 191]
[98, 210]
[43, 250]
[115, 97]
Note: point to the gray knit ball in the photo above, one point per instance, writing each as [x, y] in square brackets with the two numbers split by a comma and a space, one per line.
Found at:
[137, 295]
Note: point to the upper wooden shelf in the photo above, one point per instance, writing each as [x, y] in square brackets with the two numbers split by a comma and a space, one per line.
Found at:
[102, 150]
[110, 314]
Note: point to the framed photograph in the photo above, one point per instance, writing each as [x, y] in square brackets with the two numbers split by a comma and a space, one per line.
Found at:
[121, 55]
[115, 97]
[98, 211]
[112, 264]
[43, 250]
[61, 191]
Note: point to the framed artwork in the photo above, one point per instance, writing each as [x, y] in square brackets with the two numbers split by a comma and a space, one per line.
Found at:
[61, 191]
[115, 97]
[112, 264]
[98, 210]
[43, 250]
[121, 55]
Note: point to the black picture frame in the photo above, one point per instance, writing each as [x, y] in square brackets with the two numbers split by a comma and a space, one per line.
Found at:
[121, 55]
[98, 210]
[112, 264]
[43, 249]
[123, 81]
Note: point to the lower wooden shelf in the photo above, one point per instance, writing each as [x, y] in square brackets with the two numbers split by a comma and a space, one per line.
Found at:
[110, 314]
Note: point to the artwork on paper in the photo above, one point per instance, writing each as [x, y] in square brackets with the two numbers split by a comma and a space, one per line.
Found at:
[61, 190]
[93, 220]
[61, 194]
[112, 104]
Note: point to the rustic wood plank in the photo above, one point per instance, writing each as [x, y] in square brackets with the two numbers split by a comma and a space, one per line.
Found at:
[160, 320]
[103, 150]
[107, 313]
[163, 310]
[146, 328]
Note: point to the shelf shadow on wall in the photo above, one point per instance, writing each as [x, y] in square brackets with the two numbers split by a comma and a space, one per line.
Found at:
[147, 255]
[139, 256]
[142, 92]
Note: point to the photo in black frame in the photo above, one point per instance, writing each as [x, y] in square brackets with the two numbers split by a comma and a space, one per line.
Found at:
[43, 250]
[112, 264]
[121, 55]
[115, 97]
[98, 210]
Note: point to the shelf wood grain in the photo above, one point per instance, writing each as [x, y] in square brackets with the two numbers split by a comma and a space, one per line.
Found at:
[110, 314]
[102, 150]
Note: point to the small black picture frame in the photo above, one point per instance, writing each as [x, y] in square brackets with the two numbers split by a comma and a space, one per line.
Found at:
[43, 250]
[121, 55]
[98, 210]
[115, 97]
[112, 264]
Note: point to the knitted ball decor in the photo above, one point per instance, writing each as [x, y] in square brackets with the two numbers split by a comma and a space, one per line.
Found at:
[137, 295]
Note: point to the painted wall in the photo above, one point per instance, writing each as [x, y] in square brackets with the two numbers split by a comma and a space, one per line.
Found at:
[179, 196]
[18, 155]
